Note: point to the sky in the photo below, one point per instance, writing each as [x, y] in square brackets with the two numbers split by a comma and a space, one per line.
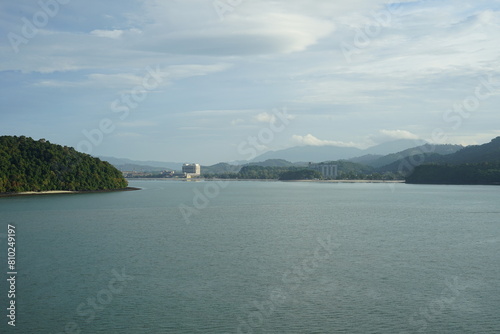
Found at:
[208, 81]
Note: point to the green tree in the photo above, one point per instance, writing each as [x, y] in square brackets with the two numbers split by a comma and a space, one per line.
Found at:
[29, 165]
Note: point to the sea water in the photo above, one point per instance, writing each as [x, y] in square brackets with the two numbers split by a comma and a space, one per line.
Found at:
[256, 257]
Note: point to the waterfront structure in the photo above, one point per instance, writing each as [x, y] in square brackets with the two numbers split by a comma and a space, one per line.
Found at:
[181, 175]
[328, 171]
[167, 173]
[191, 170]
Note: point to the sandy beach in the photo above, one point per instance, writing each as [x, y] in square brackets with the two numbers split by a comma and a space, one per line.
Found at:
[56, 192]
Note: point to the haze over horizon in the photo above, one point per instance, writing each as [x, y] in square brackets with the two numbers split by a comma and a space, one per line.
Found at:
[385, 148]
[206, 80]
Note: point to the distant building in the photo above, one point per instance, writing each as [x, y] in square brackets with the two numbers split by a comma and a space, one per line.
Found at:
[167, 173]
[328, 171]
[191, 170]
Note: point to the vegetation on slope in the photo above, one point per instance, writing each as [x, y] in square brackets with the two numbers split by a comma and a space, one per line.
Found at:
[480, 173]
[347, 170]
[29, 165]
[254, 172]
[479, 164]
[301, 174]
[399, 165]
[489, 152]
[427, 149]
[221, 167]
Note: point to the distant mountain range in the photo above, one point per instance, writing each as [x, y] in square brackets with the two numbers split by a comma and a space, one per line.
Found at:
[298, 154]
[141, 166]
[417, 155]
[384, 158]
[332, 153]
[489, 152]
[486, 153]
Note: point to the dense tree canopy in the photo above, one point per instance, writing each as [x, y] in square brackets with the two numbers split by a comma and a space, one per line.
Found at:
[346, 171]
[261, 172]
[254, 172]
[480, 173]
[29, 165]
[478, 164]
[301, 174]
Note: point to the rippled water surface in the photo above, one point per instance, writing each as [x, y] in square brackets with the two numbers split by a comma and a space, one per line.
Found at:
[257, 257]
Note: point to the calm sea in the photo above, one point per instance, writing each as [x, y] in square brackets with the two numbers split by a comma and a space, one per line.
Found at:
[256, 257]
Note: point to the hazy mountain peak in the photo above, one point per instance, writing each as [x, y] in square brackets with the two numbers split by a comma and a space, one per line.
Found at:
[333, 153]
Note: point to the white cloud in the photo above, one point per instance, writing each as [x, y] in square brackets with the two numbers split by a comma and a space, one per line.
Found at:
[398, 134]
[466, 139]
[262, 55]
[193, 70]
[389, 135]
[428, 41]
[107, 33]
[254, 28]
[265, 34]
[127, 135]
[137, 124]
[310, 140]
[265, 117]
[55, 83]
[220, 112]
[237, 121]
[192, 128]
[118, 78]
[131, 80]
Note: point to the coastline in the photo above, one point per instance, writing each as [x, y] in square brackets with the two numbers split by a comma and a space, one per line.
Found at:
[59, 192]
[318, 181]
[348, 181]
[270, 180]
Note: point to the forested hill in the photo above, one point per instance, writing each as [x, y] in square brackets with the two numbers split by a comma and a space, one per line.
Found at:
[29, 165]
[479, 164]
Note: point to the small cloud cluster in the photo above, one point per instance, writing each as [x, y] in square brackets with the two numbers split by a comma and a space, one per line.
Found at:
[310, 140]
[265, 117]
[398, 134]
[107, 33]
[385, 135]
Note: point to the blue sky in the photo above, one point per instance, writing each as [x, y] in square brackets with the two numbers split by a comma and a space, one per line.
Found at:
[194, 80]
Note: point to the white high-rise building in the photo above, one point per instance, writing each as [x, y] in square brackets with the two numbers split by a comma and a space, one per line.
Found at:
[191, 169]
[328, 171]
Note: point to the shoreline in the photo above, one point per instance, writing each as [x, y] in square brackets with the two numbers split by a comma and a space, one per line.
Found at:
[270, 180]
[348, 181]
[59, 192]
[318, 181]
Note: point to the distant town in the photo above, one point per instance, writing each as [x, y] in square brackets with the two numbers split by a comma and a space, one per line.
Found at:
[428, 163]
[193, 170]
[188, 171]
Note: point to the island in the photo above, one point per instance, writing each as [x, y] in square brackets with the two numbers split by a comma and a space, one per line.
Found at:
[29, 166]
